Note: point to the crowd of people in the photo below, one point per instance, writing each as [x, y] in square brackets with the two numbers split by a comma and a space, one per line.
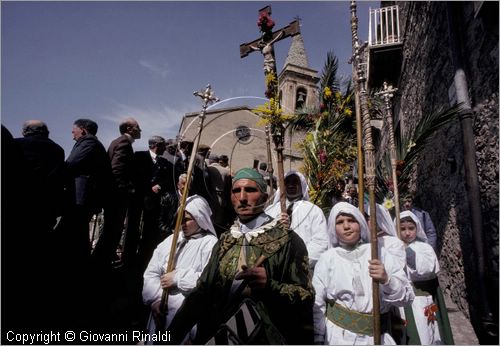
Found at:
[243, 270]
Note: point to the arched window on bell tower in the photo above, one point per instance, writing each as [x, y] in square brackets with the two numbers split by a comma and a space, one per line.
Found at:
[300, 98]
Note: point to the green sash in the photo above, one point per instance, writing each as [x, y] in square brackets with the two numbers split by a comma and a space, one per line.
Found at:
[353, 321]
[426, 288]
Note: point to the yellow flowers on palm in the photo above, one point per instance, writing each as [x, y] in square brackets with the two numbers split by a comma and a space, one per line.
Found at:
[271, 113]
[270, 78]
[388, 203]
[327, 92]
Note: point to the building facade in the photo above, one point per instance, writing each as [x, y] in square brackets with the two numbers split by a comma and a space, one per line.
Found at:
[448, 53]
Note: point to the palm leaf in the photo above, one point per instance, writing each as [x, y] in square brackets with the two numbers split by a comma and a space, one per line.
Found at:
[329, 73]
[409, 148]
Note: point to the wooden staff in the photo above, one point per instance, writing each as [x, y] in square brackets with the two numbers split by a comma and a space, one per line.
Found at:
[207, 97]
[270, 169]
[369, 150]
[387, 94]
[359, 129]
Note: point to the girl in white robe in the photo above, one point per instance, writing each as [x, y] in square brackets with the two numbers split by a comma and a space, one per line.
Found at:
[307, 219]
[343, 282]
[194, 248]
[423, 267]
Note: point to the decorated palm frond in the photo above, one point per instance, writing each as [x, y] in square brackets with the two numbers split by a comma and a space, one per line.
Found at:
[329, 147]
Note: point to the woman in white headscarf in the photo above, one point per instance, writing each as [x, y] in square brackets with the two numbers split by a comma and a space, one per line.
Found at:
[427, 318]
[194, 247]
[343, 282]
[307, 219]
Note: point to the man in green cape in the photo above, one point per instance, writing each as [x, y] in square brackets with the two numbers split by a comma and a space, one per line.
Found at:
[259, 263]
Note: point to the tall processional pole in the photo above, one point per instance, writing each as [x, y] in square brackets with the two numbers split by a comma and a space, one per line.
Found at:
[387, 94]
[359, 128]
[369, 151]
[207, 97]
[265, 45]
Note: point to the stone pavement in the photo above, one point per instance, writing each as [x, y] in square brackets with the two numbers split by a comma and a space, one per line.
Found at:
[463, 333]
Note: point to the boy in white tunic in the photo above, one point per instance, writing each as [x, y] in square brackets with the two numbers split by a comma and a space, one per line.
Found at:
[427, 318]
[343, 282]
[194, 248]
[307, 219]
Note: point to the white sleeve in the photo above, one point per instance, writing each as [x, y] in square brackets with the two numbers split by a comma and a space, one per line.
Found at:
[186, 277]
[151, 290]
[319, 282]
[398, 290]
[319, 235]
[426, 262]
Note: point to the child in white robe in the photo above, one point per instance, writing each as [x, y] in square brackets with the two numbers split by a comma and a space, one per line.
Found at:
[343, 282]
[427, 314]
[194, 247]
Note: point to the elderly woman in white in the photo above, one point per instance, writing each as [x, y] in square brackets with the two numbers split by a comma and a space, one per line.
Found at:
[343, 282]
[307, 219]
[194, 247]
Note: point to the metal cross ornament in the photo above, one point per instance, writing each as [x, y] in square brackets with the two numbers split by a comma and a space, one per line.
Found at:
[207, 96]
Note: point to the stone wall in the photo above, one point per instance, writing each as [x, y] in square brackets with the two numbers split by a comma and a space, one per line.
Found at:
[439, 181]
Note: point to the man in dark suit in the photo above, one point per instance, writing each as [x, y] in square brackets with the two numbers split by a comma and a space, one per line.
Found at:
[45, 167]
[121, 155]
[88, 178]
[32, 199]
[88, 174]
[154, 177]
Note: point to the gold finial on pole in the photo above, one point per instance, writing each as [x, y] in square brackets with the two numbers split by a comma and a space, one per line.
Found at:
[387, 94]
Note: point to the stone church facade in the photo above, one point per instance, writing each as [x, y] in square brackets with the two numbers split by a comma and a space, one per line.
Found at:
[437, 41]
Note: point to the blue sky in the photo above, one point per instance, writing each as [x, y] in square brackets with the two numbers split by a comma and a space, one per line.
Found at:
[110, 60]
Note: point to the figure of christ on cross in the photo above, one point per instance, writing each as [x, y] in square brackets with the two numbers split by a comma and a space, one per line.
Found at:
[265, 44]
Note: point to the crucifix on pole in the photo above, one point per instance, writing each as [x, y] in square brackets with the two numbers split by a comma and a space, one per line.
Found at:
[264, 44]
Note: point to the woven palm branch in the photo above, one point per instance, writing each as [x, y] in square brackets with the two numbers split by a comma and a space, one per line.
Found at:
[409, 148]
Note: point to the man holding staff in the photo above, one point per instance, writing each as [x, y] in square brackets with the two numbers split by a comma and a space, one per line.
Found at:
[258, 259]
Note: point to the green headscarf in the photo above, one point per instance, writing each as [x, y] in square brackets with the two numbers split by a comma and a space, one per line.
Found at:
[251, 174]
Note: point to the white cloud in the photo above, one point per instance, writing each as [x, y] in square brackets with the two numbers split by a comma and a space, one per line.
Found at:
[157, 70]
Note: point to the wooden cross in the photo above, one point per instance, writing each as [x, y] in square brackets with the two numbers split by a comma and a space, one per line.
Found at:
[265, 45]
[291, 29]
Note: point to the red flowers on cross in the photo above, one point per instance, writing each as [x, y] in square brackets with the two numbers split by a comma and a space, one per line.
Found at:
[265, 22]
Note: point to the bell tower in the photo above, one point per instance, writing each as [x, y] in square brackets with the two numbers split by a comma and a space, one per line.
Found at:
[297, 82]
